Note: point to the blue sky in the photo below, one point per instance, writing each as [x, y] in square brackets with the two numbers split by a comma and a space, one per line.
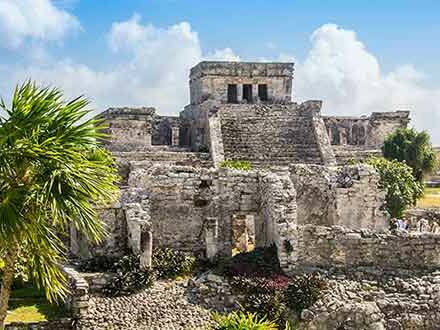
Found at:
[357, 56]
[397, 31]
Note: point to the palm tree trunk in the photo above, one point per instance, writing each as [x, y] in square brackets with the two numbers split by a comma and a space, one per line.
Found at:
[8, 276]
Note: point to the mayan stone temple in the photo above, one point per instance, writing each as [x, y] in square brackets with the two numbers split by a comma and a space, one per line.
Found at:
[300, 195]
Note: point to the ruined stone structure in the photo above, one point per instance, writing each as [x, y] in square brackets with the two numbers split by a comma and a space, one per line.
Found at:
[356, 138]
[173, 193]
[318, 214]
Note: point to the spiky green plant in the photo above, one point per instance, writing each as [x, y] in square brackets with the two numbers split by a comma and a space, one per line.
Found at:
[53, 171]
[242, 321]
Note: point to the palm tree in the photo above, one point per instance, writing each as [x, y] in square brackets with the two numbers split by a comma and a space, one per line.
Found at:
[53, 171]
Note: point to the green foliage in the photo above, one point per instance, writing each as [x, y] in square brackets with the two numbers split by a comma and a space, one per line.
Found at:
[129, 278]
[268, 305]
[412, 147]
[303, 291]
[53, 171]
[236, 164]
[242, 321]
[170, 263]
[396, 179]
[264, 296]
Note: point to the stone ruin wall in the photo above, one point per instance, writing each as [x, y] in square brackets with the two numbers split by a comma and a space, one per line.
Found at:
[366, 130]
[209, 80]
[166, 131]
[139, 129]
[357, 138]
[343, 196]
[275, 134]
[115, 244]
[196, 210]
[190, 209]
[345, 249]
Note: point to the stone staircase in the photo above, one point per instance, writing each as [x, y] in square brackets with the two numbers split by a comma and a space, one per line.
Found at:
[276, 138]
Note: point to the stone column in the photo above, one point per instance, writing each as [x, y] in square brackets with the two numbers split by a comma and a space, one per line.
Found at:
[211, 236]
[255, 98]
[239, 93]
[175, 136]
[146, 249]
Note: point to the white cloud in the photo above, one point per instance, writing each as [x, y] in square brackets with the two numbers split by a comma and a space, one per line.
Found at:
[34, 19]
[340, 71]
[155, 71]
[226, 54]
[154, 64]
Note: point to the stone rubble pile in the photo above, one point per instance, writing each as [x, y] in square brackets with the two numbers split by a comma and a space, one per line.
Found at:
[213, 291]
[393, 303]
[165, 306]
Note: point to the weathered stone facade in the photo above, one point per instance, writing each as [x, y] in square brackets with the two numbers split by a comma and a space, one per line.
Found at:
[357, 138]
[174, 193]
[173, 196]
[365, 130]
[211, 80]
[339, 196]
[347, 249]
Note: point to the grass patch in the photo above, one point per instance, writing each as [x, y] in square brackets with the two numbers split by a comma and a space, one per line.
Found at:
[28, 305]
[431, 198]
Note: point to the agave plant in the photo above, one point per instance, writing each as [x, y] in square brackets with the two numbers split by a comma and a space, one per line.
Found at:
[53, 170]
[242, 321]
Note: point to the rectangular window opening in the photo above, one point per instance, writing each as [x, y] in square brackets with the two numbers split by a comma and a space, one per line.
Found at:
[262, 92]
[232, 93]
[247, 93]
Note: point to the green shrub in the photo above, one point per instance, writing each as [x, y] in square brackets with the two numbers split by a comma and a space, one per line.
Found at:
[396, 179]
[129, 277]
[242, 321]
[413, 148]
[236, 164]
[303, 291]
[264, 296]
[267, 305]
[170, 263]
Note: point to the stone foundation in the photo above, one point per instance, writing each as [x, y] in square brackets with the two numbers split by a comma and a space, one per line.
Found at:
[376, 303]
[352, 250]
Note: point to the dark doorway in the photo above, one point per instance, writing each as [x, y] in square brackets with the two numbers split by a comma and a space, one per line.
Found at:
[336, 138]
[354, 135]
[232, 93]
[262, 92]
[247, 93]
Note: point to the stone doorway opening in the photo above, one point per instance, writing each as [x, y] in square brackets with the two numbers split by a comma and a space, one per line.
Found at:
[243, 233]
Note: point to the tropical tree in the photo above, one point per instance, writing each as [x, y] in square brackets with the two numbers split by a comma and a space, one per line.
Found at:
[413, 148]
[397, 180]
[53, 171]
